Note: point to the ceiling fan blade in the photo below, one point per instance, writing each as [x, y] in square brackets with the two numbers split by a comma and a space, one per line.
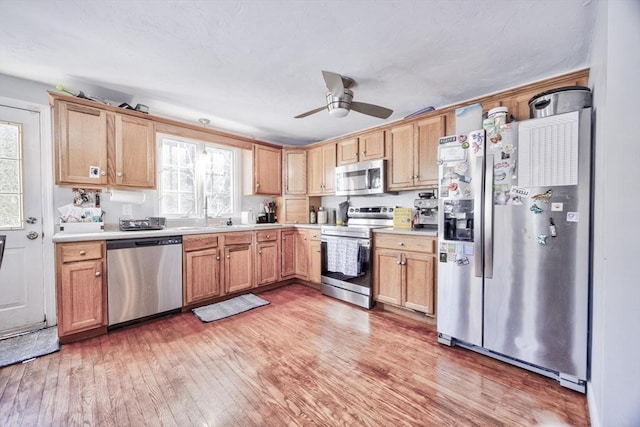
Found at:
[371, 110]
[334, 83]
[308, 113]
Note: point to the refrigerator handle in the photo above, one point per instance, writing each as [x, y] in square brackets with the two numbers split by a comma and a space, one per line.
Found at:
[487, 224]
[478, 212]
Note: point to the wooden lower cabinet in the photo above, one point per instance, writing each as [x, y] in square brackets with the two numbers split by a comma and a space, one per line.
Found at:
[315, 260]
[404, 271]
[238, 262]
[301, 254]
[81, 288]
[267, 257]
[288, 254]
[201, 268]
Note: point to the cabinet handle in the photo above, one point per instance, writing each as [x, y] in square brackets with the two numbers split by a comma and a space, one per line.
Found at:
[228, 256]
[411, 177]
[257, 184]
[103, 173]
[260, 252]
[417, 176]
[218, 258]
[268, 236]
[119, 174]
[98, 274]
[83, 253]
[401, 243]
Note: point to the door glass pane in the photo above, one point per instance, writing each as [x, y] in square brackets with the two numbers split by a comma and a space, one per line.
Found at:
[11, 196]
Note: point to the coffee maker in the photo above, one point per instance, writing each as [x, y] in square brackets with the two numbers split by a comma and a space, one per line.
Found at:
[426, 210]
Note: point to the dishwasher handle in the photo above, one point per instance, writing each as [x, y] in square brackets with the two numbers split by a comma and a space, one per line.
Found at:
[143, 242]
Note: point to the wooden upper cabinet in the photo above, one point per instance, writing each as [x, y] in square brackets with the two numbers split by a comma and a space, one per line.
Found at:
[427, 133]
[294, 172]
[267, 166]
[347, 151]
[81, 144]
[322, 170]
[133, 162]
[400, 148]
[369, 146]
[413, 152]
[96, 147]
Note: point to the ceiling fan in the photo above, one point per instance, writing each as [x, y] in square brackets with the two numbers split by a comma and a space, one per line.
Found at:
[340, 99]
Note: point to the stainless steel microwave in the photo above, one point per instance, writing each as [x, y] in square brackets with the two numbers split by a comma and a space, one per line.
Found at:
[361, 178]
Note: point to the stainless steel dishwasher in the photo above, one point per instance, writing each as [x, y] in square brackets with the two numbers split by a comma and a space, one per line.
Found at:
[144, 277]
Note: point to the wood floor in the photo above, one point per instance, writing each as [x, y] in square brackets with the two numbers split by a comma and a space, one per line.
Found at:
[305, 359]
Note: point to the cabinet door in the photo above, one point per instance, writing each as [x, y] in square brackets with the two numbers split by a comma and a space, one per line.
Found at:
[316, 171]
[388, 276]
[400, 149]
[135, 154]
[372, 146]
[315, 258]
[288, 254]
[81, 296]
[419, 279]
[238, 268]
[266, 166]
[267, 263]
[347, 151]
[329, 168]
[428, 131]
[201, 275]
[81, 144]
[302, 254]
[295, 172]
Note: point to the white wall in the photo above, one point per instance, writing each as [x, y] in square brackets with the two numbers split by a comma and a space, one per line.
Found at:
[614, 388]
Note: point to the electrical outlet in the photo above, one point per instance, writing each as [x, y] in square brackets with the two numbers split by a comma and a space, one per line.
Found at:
[127, 210]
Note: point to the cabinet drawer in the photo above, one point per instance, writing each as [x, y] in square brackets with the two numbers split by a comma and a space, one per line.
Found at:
[404, 242]
[313, 234]
[237, 238]
[199, 241]
[81, 251]
[267, 235]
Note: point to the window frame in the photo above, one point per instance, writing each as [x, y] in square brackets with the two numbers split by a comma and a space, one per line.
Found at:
[199, 178]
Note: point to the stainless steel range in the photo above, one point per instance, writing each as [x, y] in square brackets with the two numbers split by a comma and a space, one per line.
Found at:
[347, 272]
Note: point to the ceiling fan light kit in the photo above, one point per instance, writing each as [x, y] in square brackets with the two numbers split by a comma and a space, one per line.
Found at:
[339, 106]
[340, 99]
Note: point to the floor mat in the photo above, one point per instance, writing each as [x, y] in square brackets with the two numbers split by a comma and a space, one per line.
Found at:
[228, 308]
[27, 346]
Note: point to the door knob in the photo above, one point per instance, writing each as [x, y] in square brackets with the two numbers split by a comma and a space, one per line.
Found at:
[32, 235]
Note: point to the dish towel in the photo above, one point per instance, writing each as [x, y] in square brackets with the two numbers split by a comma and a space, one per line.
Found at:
[351, 258]
[332, 255]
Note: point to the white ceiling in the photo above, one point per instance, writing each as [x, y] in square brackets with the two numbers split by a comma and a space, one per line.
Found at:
[250, 66]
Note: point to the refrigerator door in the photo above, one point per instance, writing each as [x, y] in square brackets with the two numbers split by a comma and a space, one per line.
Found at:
[459, 238]
[536, 302]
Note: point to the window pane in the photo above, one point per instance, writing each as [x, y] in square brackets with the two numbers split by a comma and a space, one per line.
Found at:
[9, 140]
[10, 211]
[192, 171]
[9, 176]
[11, 197]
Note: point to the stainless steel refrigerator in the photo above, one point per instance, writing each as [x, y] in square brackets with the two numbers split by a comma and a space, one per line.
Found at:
[514, 243]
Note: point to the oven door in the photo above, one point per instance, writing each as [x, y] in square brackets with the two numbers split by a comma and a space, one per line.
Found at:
[346, 269]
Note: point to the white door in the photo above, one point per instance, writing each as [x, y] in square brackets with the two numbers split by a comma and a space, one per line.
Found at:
[21, 277]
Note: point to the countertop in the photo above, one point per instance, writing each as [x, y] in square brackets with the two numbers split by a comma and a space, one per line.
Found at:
[169, 231]
[115, 234]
